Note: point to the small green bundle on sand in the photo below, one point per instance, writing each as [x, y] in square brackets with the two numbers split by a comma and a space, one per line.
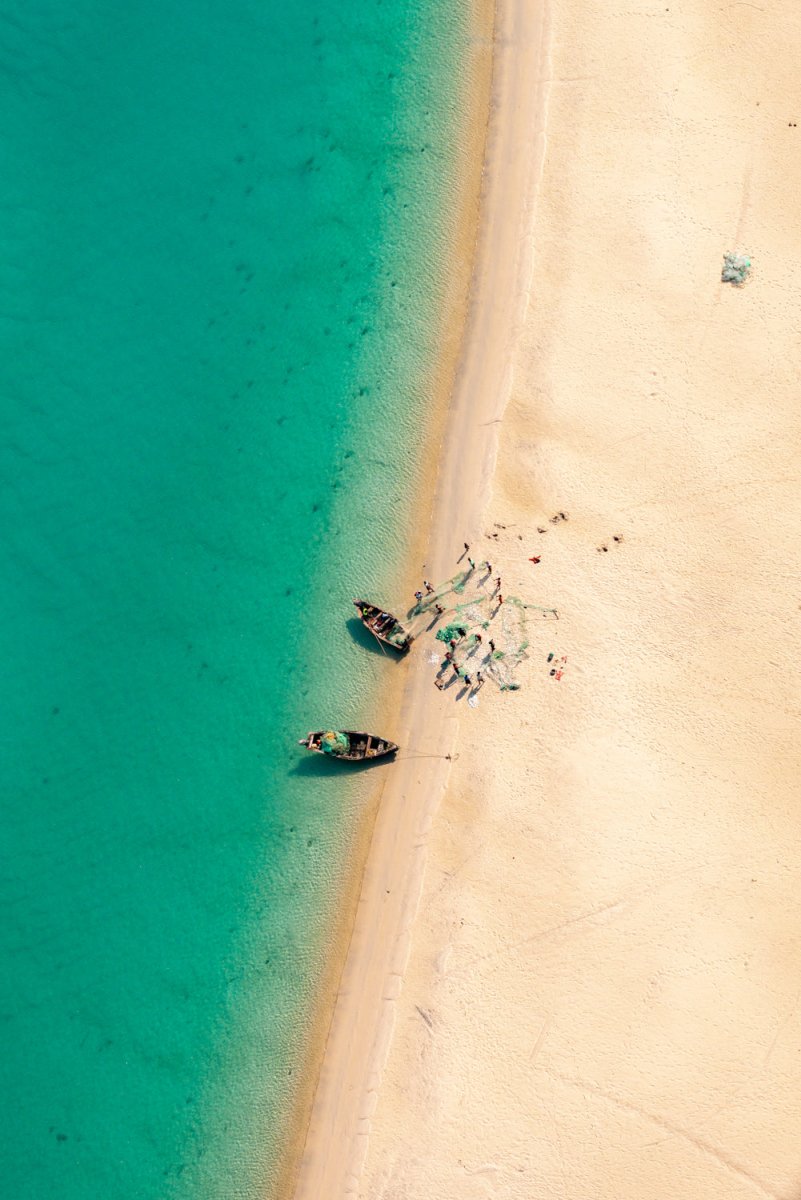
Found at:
[736, 268]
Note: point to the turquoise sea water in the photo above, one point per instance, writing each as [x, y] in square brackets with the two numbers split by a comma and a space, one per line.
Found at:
[220, 236]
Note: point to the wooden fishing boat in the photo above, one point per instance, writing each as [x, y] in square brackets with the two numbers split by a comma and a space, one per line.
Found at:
[348, 744]
[383, 625]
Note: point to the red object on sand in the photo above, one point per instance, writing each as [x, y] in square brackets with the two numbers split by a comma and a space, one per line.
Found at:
[535, 558]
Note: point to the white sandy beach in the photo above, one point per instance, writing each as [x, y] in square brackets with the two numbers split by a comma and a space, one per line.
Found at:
[575, 968]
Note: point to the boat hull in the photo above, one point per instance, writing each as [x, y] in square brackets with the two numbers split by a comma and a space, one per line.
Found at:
[364, 747]
[391, 633]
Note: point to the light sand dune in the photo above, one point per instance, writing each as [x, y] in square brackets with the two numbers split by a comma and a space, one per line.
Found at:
[607, 945]
[601, 989]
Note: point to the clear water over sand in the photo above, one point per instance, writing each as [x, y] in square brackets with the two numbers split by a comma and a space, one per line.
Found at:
[218, 254]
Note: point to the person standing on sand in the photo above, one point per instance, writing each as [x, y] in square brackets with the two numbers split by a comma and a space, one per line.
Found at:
[498, 583]
[455, 668]
[478, 639]
[500, 599]
[488, 565]
[492, 646]
[418, 596]
[466, 547]
[427, 586]
[439, 609]
[479, 678]
[467, 680]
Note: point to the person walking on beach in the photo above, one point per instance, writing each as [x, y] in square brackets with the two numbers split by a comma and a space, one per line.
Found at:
[500, 599]
[448, 656]
[439, 609]
[467, 680]
[492, 646]
[478, 639]
[418, 596]
[498, 583]
[452, 643]
[479, 678]
[427, 586]
[455, 668]
[472, 564]
[488, 565]
[466, 547]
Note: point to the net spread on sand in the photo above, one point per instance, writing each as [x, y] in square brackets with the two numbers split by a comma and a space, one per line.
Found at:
[474, 619]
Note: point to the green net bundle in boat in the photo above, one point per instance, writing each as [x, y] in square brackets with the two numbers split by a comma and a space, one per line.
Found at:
[334, 743]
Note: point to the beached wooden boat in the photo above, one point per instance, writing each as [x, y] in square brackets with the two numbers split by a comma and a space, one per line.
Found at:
[348, 745]
[383, 625]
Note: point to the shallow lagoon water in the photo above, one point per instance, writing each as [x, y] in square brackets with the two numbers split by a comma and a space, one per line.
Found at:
[220, 244]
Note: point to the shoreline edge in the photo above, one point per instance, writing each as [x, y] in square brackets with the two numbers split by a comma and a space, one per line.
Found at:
[336, 1136]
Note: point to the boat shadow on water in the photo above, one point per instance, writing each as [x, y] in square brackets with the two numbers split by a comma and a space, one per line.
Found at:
[368, 641]
[320, 766]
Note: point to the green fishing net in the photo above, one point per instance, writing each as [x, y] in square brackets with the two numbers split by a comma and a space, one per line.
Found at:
[450, 633]
[736, 268]
[334, 743]
[474, 620]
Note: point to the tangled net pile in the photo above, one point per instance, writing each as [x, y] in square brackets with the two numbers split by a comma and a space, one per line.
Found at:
[506, 626]
[334, 743]
[736, 268]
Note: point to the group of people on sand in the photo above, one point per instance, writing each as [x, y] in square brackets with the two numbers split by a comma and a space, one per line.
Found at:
[422, 595]
[449, 660]
[477, 640]
[458, 671]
